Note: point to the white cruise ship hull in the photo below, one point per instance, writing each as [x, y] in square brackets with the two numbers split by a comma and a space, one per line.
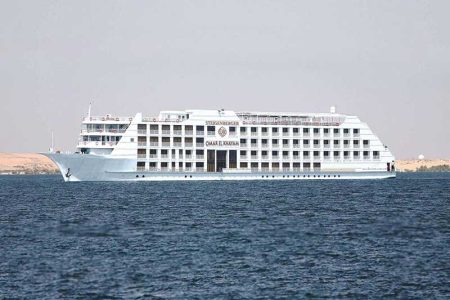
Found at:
[86, 167]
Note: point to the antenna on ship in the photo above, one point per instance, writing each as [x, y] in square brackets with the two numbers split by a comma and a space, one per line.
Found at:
[89, 110]
[333, 109]
[53, 144]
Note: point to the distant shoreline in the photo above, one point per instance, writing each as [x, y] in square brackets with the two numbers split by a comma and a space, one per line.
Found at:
[37, 164]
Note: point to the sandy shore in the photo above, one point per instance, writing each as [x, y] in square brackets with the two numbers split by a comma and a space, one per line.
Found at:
[33, 163]
[26, 163]
[411, 165]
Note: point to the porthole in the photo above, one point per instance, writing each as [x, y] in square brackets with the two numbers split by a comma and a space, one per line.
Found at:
[273, 176]
[283, 176]
[339, 175]
[137, 176]
[185, 176]
[308, 176]
[143, 176]
[262, 176]
[267, 176]
[190, 176]
[288, 176]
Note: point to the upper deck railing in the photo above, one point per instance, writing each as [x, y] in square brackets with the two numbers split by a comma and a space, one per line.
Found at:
[249, 118]
[108, 118]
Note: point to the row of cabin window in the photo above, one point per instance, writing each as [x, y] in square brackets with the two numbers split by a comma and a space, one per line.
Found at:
[242, 165]
[305, 142]
[255, 141]
[263, 153]
[307, 153]
[242, 129]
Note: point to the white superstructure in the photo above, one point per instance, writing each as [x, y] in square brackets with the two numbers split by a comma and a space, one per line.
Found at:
[222, 144]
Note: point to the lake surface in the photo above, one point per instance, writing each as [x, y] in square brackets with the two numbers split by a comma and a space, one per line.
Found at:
[225, 240]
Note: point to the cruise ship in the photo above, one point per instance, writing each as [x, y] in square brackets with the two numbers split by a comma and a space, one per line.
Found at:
[226, 145]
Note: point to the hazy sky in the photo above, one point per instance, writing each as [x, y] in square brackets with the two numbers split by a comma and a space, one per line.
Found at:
[386, 61]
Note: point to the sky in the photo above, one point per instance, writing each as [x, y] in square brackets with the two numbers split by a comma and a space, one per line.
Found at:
[387, 62]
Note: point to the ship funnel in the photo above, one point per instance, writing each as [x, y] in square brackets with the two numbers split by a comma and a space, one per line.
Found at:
[333, 109]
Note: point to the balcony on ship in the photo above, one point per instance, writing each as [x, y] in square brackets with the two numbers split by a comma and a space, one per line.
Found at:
[188, 142]
[154, 129]
[154, 141]
[141, 153]
[166, 129]
[142, 141]
[166, 141]
[142, 129]
[177, 130]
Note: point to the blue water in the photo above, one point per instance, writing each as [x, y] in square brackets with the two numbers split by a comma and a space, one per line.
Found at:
[225, 240]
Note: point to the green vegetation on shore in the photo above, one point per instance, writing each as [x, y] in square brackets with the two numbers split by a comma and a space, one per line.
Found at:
[440, 168]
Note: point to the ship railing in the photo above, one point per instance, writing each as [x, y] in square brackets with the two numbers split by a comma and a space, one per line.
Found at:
[107, 118]
[96, 143]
